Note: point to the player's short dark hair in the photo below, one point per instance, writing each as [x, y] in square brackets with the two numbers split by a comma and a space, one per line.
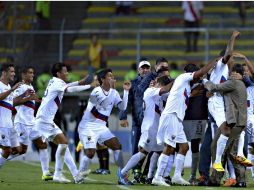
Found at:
[161, 59]
[190, 68]
[238, 68]
[6, 66]
[164, 80]
[26, 68]
[57, 67]
[102, 74]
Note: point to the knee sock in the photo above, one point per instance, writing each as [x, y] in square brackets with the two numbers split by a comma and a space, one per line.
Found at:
[153, 164]
[84, 163]
[103, 156]
[179, 163]
[194, 164]
[169, 165]
[132, 162]
[118, 156]
[69, 161]
[2, 160]
[231, 169]
[44, 159]
[221, 144]
[162, 164]
[60, 153]
[241, 144]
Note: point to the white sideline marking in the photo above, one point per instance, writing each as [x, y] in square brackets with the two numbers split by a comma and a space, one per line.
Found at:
[87, 178]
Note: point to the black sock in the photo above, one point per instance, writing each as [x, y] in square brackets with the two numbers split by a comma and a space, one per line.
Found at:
[103, 156]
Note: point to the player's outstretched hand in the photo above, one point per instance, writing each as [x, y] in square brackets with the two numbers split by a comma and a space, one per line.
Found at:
[86, 80]
[126, 85]
[236, 33]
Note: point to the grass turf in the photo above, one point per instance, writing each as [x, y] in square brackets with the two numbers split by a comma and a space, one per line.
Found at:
[18, 175]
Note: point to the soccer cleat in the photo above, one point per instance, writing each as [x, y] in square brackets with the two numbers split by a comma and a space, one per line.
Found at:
[149, 181]
[179, 181]
[168, 180]
[48, 176]
[123, 179]
[202, 181]
[79, 146]
[136, 176]
[243, 161]
[218, 167]
[193, 181]
[61, 179]
[101, 171]
[230, 182]
[79, 179]
[160, 182]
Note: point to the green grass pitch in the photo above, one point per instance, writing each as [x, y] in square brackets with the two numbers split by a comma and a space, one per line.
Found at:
[18, 175]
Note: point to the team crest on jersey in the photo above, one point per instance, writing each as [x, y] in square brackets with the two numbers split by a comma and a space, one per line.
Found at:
[21, 134]
[173, 137]
[3, 136]
[89, 138]
[148, 141]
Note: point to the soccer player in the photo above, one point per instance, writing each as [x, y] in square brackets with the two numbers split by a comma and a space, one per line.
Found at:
[152, 105]
[24, 121]
[49, 130]
[170, 130]
[92, 128]
[8, 135]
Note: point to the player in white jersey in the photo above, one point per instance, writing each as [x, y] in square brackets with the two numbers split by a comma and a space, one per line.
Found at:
[101, 102]
[49, 130]
[8, 135]
[24, 121]
[216, 103]
[170, 130]
[152, 105]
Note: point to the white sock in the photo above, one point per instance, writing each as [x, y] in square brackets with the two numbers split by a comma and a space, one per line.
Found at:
[134, 160]
[231, 169]
[84, 163]
[44, 159]
[162, 164]
[118, 156]
[252, 168]
[60, 152]
[241, 144]
[153, 164]
[179, 163]
[70, 163]
[194, 164]
[2, 160]
[221, 144]
[169, 165]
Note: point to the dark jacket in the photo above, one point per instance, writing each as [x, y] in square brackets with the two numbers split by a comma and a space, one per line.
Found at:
[135, 99]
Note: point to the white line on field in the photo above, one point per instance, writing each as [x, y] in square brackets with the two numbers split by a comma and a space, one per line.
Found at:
[87, 178]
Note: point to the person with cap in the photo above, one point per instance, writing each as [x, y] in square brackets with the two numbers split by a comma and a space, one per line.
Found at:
[135, 102]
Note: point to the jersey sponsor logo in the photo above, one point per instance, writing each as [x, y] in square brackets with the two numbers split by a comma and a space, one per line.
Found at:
[3, 136]
[29, 104]
[99, 115]
[173, 137]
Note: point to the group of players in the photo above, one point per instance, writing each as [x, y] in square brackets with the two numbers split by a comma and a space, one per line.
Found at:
[162, 131]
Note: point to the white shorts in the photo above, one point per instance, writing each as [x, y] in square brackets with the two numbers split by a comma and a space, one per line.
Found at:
[148, 142]
[90, 135]
[170, 130]
[194, 129]
[26, 133]
[8, 137]
[48, 131]
[217, 110]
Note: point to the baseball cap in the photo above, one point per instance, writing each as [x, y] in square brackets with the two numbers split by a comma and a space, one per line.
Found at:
[141, 63]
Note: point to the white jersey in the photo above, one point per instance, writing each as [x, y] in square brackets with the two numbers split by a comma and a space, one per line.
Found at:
[151, 108]
[250, 104]
[6, 107]
[51, 101]
[178, 98]
[25, 112]
[100, 106]
[219, 73]
[86, 115]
